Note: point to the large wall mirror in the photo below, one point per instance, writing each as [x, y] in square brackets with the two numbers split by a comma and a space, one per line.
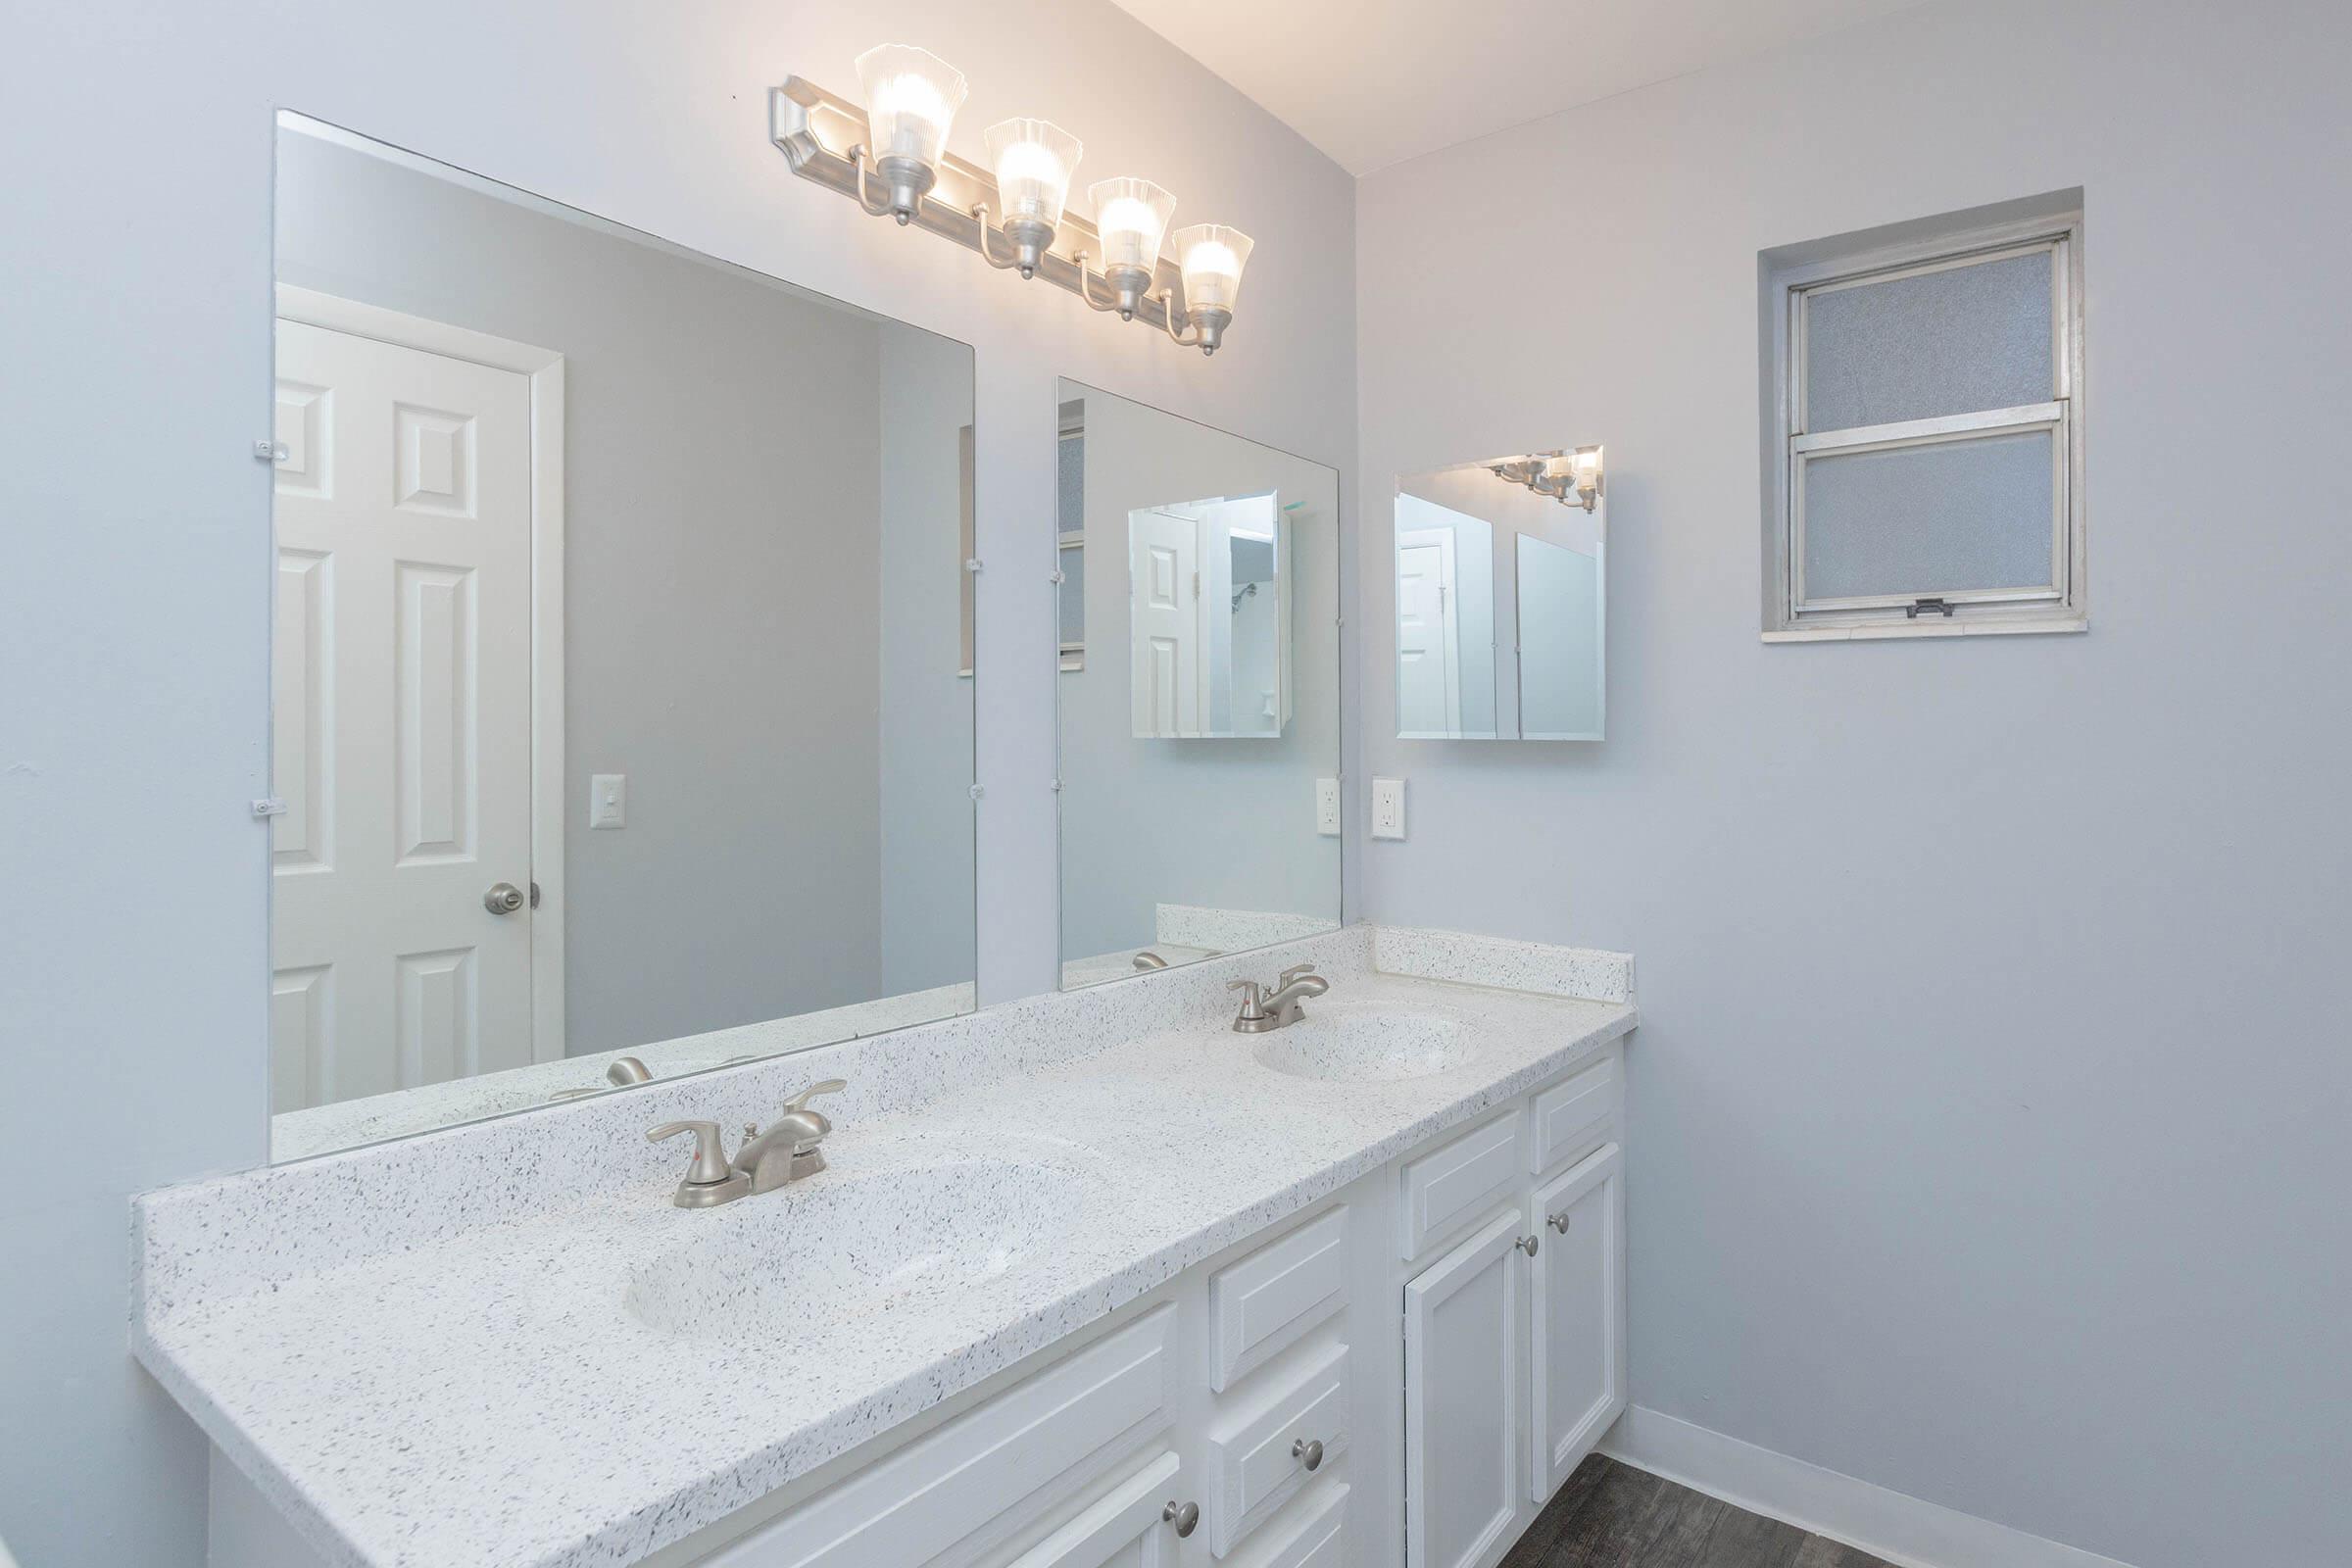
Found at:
[1501, 601]
[621, 709]
[1199, 686]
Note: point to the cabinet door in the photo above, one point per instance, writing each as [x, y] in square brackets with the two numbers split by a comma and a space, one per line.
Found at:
[1578, 1315]
[1462, 1499]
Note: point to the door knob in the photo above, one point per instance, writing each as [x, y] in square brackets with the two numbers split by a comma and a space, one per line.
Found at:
[1559, 1222]
[1528, 1244]
[1185, 1516]
[504, 898]
[1309, 1453]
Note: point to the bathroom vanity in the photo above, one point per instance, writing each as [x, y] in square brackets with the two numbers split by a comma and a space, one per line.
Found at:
[1091, 1279]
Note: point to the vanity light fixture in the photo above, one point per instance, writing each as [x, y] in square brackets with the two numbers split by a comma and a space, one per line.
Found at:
[892, 158]
[1572, 478]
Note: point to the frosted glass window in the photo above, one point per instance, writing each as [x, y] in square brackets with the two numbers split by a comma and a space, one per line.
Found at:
[1927, 412]
[1957, 340]
[1950, 518]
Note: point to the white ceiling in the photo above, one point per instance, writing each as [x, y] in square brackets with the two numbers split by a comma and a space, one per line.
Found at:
[1372, 82]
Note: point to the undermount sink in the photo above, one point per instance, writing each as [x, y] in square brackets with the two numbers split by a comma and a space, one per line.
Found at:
[1366, 1042]
[842, 1247]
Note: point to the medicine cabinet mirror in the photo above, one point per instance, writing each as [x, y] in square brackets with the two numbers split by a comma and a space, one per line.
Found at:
[1199, 716]
[1501, 605]
[621, 721]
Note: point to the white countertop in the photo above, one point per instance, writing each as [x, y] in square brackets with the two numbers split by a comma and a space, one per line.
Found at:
[501, 1394]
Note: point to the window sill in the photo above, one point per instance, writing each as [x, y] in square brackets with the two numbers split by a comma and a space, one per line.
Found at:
[1871, 631]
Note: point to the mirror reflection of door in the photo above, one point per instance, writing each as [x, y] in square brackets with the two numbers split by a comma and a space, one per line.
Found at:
[1445, 622]
[1429, 639]
[402, 712]
[1211, 619]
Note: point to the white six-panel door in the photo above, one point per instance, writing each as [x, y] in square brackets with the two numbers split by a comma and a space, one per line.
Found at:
[1165, 615]
[1429, 689]
[1578, 1315]
[1461, 1403]
[402, 723]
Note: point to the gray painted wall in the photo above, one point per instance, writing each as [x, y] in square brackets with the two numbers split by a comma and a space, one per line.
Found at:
[1991, 1083]
[1224, 823]
[133, 667]
[722, 565]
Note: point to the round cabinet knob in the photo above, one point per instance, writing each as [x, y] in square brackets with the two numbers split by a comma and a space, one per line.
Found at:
[504, 898]
[1558, 1222]
[1308, 1453]
[1529, 1243]
[1185, 1516]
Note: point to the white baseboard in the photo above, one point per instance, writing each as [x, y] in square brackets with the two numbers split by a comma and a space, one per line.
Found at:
[1905, 1531]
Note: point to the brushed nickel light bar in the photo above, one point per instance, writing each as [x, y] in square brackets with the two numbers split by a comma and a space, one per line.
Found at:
[1572, 478]
[891, 158]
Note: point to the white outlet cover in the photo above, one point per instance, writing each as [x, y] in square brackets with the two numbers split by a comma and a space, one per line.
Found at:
[1388, 808]
[608, 800]
[1327, 806]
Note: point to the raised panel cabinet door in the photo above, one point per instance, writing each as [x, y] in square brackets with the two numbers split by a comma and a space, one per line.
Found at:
[1463, 1505]
[401, 718]
[1578, 1316]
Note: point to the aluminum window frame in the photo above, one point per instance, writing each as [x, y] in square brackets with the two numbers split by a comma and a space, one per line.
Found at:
[2058, 605]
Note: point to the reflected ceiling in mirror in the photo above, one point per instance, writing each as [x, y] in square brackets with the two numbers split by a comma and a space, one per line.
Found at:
[1198, 690]
[621, 709]
[1500, 602]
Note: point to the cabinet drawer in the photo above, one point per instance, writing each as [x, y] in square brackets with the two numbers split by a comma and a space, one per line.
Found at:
[955, 1492]
[1311, 1533]
[1124, 1528]
[1266, 1302]
[1575, 1117]
[1450, 1187]
[1252, 1470]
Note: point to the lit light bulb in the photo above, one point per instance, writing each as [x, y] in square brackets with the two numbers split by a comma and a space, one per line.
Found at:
[911, 97]
[1132, 214]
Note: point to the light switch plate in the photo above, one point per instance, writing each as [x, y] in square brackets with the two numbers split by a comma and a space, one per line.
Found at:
[1327, 806]
[608, 800]
[1388, 808]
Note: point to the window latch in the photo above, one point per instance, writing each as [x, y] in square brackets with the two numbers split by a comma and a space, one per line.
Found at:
[1927, 606]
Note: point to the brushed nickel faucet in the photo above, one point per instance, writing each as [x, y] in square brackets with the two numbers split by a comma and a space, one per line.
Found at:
[1262, 1011]
[784, 1154]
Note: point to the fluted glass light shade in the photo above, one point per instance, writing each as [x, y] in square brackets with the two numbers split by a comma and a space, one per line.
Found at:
[1212, 257]
[911, 97]
[1132, 215]
[1033, 161]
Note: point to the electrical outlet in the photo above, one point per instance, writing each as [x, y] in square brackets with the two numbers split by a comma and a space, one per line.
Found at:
[1327, 806]
[1388, 808]
[608, 800]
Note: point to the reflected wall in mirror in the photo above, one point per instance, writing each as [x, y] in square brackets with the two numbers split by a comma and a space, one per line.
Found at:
[1200, 690]
[620, 714]
[1501, 608]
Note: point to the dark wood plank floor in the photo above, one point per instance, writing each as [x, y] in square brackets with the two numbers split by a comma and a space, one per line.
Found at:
[1610, 1515]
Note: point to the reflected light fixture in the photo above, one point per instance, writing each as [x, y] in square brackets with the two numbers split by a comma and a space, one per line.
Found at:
[892, 158]
[1572, 478]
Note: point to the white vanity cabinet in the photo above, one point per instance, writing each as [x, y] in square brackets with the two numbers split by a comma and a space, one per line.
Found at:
[1514, 1338]
[1398, 1378]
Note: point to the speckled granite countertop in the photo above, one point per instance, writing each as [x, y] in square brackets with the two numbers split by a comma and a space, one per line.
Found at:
[564, 1370]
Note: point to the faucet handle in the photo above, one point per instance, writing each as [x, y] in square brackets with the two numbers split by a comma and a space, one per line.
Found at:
[1294, 972]
[830, 1086]
[711, 1163]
